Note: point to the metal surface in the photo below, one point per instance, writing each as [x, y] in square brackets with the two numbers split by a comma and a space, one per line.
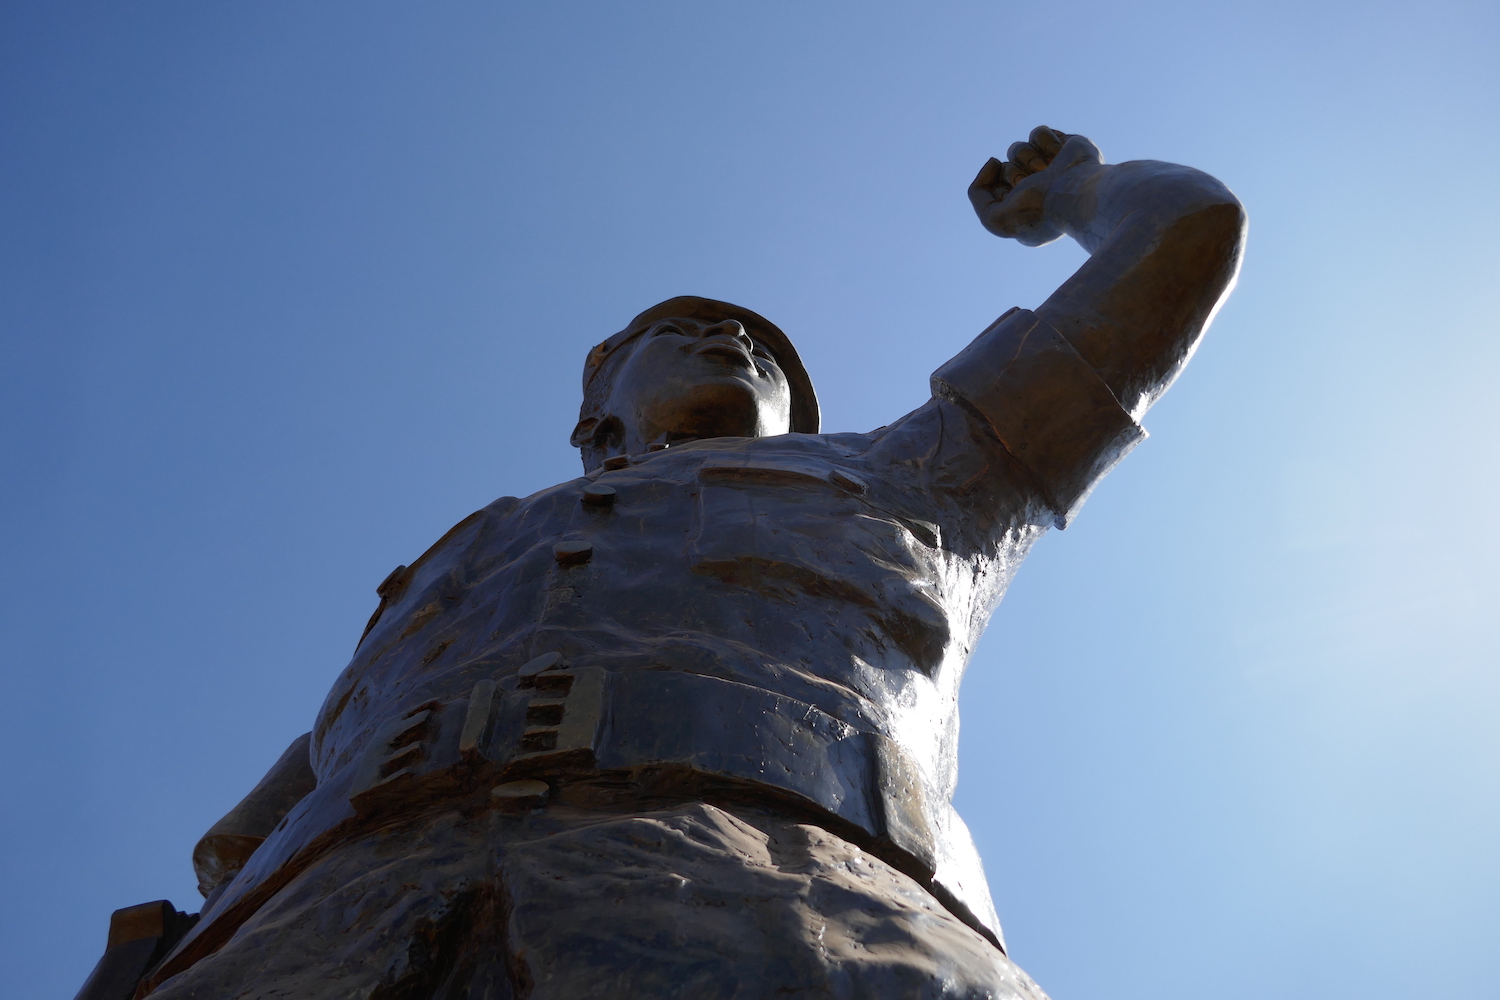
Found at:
[721, 625]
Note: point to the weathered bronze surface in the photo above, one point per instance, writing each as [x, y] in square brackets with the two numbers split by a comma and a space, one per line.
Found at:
[686, 726]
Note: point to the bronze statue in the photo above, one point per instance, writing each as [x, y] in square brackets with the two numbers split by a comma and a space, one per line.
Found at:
[686, 726]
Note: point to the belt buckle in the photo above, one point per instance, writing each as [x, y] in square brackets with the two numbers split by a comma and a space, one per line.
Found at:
[564, 711]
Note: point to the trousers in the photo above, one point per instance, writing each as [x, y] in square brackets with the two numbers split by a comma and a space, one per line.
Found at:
[566, 903]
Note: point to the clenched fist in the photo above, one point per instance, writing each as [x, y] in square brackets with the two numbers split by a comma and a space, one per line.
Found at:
[1010, 197]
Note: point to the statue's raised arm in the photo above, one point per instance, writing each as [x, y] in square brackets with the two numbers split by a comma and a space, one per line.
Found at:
[1165, 242]
[1064, 387]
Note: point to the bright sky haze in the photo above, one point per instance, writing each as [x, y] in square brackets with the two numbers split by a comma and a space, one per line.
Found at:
[288, 289]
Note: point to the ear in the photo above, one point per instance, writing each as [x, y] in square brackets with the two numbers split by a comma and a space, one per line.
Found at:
[584, 433]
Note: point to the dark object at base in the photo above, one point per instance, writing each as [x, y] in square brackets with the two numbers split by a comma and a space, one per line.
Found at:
[138, 938]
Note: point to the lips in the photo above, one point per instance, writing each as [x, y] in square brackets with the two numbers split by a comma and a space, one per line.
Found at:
[729, 350]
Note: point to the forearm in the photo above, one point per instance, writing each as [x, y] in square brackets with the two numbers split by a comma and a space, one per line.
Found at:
[1165, 242]
[1063, 388]
[226, 847]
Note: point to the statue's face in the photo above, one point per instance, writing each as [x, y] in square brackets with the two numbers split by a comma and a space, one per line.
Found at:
[689, 379]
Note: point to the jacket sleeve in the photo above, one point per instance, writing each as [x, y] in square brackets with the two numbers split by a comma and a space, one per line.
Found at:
[228, 844]
[1030, 389]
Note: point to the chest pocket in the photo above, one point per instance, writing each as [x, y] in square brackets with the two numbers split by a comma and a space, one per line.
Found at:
[793, 531]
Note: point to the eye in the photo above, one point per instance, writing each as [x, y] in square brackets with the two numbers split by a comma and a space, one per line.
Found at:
[666, 328]
[759, 350]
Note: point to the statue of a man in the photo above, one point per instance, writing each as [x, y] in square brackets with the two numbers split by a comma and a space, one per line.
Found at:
[686, 726]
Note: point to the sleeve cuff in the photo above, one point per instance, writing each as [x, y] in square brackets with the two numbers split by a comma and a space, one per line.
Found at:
[1045, 404]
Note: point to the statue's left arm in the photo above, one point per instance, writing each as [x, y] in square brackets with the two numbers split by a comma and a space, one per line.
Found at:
[1063, 387]
[227, 846]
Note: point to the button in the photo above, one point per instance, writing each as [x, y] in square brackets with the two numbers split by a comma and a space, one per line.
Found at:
[599, 496]
[520, 794]
[614, 462]
[537, 664]
[571, 553]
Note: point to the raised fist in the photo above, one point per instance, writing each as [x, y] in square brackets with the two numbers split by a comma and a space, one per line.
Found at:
[1010, 197]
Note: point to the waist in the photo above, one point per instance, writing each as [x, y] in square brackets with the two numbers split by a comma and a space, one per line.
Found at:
[564, 726]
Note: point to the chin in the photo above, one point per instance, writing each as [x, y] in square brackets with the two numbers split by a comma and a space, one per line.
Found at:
[728, 405]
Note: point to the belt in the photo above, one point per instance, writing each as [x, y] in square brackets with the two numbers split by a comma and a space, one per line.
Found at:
[564, 723]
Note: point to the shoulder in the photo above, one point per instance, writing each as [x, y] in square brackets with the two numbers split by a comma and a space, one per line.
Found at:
[940, 457]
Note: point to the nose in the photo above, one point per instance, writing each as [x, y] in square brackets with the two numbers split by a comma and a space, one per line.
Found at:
[729, 328]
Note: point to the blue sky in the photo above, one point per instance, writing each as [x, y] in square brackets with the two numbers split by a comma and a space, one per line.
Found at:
[289, 288]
